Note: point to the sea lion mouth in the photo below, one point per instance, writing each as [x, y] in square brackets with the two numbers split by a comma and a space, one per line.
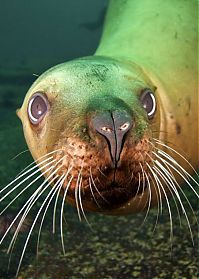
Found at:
[115, 194]
[108, 192]
[95, 182]
[112, 197]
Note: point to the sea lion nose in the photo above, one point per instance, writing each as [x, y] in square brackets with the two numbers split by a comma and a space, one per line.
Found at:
[113, 126]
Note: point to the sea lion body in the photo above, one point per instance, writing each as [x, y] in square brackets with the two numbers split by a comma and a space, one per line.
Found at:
[163, 40]
[94, 117]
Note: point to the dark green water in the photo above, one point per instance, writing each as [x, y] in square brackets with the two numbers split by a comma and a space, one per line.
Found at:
[34, 36]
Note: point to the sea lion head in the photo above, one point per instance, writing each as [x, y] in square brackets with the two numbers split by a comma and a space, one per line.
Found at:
[95, 117]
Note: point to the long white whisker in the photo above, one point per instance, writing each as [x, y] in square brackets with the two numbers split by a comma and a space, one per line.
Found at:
[165, 179]
[167, 201]
[21, 210]
[143, 184]
[12, 244]
[138, 184]
[56, 201]
[76, 196]
[56, 188]
[32, 227]
[92, 180]
[28, 186]
[172, 178]
[175, 169]
[175, 183]
[11, 183]
[143, 176]
[178, 165]
[35, 162]
[90, 185]
[61, 213]
[81, 205]
[148, 200]
[29, 203]
[157, 183]
[158, 200]
[170, 187]
[171, 183]
[183, 193]
[161, 143]
[78, 193]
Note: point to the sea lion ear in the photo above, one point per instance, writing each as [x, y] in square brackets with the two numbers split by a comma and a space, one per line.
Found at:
[18, 112]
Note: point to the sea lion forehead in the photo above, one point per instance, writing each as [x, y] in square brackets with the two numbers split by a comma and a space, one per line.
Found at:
[78, 81]
[87, 71]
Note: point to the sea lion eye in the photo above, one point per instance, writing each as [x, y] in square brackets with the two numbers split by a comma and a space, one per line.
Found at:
[37, 108]
[148, 102]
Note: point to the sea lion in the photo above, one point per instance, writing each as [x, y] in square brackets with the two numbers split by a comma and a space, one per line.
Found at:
[117, 125]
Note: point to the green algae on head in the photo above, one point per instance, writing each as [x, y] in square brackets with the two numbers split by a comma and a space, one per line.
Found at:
[90, 106]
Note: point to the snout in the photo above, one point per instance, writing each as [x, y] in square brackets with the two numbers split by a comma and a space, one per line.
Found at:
[113, 126]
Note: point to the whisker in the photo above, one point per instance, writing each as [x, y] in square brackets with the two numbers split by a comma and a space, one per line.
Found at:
[167, 201]
[32, 201]
[158, 200]
[178, 165]
[24, 189]
[130, 178]
[56, 201]
[157, 184]
[57, 186]
[173, 180]
[101, 172]
[161, 143]
[26, 178]
[81, 205]
[61, 213]
[149, 199]
[181, 175]
[91, 176]
[143, 184]
[138, 184]
[168, 184]
[35, 162]
[22, 152]
[32, 227]
[154, 161]
[183, 193]
[38, 192]
[76, 196]
[30, 205]
[90, 185]
[143, 179]
[171, 183]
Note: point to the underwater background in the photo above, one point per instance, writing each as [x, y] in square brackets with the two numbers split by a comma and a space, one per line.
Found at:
[36, 35]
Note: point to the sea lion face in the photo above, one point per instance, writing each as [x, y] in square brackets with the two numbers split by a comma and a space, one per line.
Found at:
[93, 116]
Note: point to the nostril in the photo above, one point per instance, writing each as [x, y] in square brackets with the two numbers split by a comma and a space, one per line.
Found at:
[124, 127]
[102, 123]
[106, 129]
